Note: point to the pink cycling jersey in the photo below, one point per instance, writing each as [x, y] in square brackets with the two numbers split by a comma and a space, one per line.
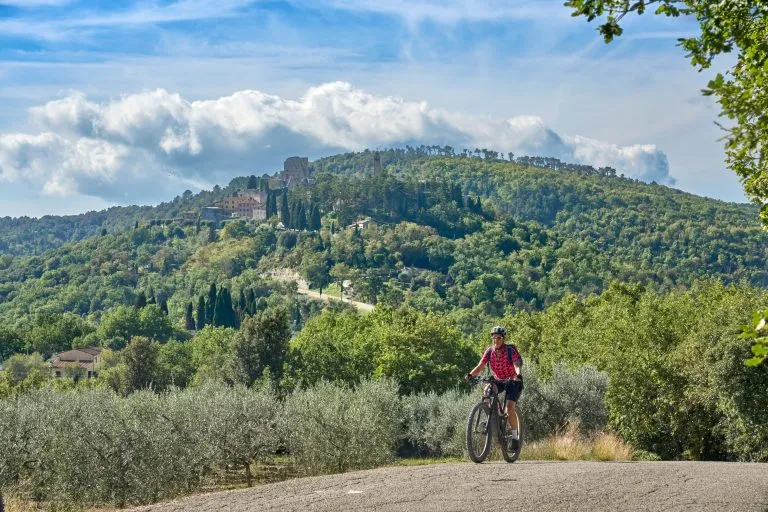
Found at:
[500, 365]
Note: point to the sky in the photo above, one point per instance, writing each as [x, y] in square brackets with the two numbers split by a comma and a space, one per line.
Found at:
[112, 103]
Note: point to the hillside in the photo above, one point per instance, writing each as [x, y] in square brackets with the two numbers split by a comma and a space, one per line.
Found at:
[446, 232]
[639, 289]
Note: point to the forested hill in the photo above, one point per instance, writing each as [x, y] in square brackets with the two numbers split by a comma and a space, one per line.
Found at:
[448, 232]
[538, 188]
[29, 236]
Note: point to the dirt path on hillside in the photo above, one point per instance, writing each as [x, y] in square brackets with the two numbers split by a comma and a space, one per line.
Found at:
[303, 288]
[571, 486]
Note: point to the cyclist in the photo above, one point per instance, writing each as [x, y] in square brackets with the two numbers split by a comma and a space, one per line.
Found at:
[505, 363]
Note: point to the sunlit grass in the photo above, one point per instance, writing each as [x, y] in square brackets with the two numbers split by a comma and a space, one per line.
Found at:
[571, 445]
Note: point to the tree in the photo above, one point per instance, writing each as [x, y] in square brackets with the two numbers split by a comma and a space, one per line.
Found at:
[314, 218]
[164, 306]
[141, 300]
[154, 324]
[253, 182]
[315, 271]
[189, 321]
[140, 358]
[11, 342]
[175, 364]
[118, 326]
[201, 313]
[212, 354]
[341, 272]
[725, 26]
[210, 304]
[758, 334]
[271, 204]
[54, 333]
[301, 221]
[261, 344]
[285, 212]
[223, 313]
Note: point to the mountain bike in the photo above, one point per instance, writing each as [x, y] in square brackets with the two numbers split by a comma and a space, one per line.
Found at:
[486, 417]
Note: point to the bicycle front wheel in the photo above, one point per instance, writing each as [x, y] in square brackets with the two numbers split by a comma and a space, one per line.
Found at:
[510, 454]
[479, 430]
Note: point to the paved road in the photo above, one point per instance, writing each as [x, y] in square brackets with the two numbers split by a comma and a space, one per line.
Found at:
[286, 274]
[568, 486]
[315, 295]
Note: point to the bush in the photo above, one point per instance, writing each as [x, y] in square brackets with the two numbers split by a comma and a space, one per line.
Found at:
[434, 424]
[548, 407]
[93, 447]
[333, 428]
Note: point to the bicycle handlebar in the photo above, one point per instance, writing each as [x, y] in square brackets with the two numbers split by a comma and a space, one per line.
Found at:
[475, 380]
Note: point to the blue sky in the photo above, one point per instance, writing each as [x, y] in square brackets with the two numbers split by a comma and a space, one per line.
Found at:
[133, 102]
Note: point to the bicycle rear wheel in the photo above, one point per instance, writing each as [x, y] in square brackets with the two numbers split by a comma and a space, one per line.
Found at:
[479, 431]
[510, 455]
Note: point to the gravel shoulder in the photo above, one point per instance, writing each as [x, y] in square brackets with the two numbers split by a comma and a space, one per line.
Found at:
[578, 486]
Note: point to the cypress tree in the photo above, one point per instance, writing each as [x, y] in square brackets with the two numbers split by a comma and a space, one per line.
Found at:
[141, 300]
[301, 220]
[242, 306]
[315, 218]
[253, 183]
[210, 305]
[189, 322]
[285, 213]
[218, 309]
[251, 302]
[201, 312]
[164, 306]
[271, 204]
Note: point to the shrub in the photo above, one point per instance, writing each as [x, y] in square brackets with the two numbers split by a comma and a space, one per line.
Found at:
[434, 424]
[333, 428]
[569, 397]
[93, 447]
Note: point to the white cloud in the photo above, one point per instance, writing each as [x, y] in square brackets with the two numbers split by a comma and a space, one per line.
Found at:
[144, 144]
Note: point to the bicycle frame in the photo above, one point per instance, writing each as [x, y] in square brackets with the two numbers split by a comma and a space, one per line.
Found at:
[496, 423]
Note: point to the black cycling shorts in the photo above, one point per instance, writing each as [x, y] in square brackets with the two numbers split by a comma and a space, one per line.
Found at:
[512, 389]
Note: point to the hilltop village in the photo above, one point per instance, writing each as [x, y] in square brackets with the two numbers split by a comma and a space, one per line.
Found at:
[252, 203]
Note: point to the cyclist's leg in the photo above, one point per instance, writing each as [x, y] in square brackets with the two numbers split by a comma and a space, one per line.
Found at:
[514, 389]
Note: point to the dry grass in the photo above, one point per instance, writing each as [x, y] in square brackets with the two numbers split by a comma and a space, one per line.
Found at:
[608, 446]
[571, 445]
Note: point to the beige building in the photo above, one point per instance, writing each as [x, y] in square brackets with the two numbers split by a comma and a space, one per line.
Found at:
[85, 359]
[260, 212]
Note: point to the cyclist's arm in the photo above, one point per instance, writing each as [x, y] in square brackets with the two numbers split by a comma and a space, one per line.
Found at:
[477, 369]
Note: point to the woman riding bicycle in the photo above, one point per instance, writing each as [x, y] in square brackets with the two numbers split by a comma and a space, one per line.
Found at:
[506, 366]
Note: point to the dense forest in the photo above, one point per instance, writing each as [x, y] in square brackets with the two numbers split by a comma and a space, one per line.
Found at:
[648, 286]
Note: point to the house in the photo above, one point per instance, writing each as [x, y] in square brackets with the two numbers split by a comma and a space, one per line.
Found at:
[360, 224]
[247, 203]
[84, 359]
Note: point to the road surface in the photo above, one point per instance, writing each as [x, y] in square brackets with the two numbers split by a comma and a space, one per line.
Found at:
[497, 486]
[303, 289]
